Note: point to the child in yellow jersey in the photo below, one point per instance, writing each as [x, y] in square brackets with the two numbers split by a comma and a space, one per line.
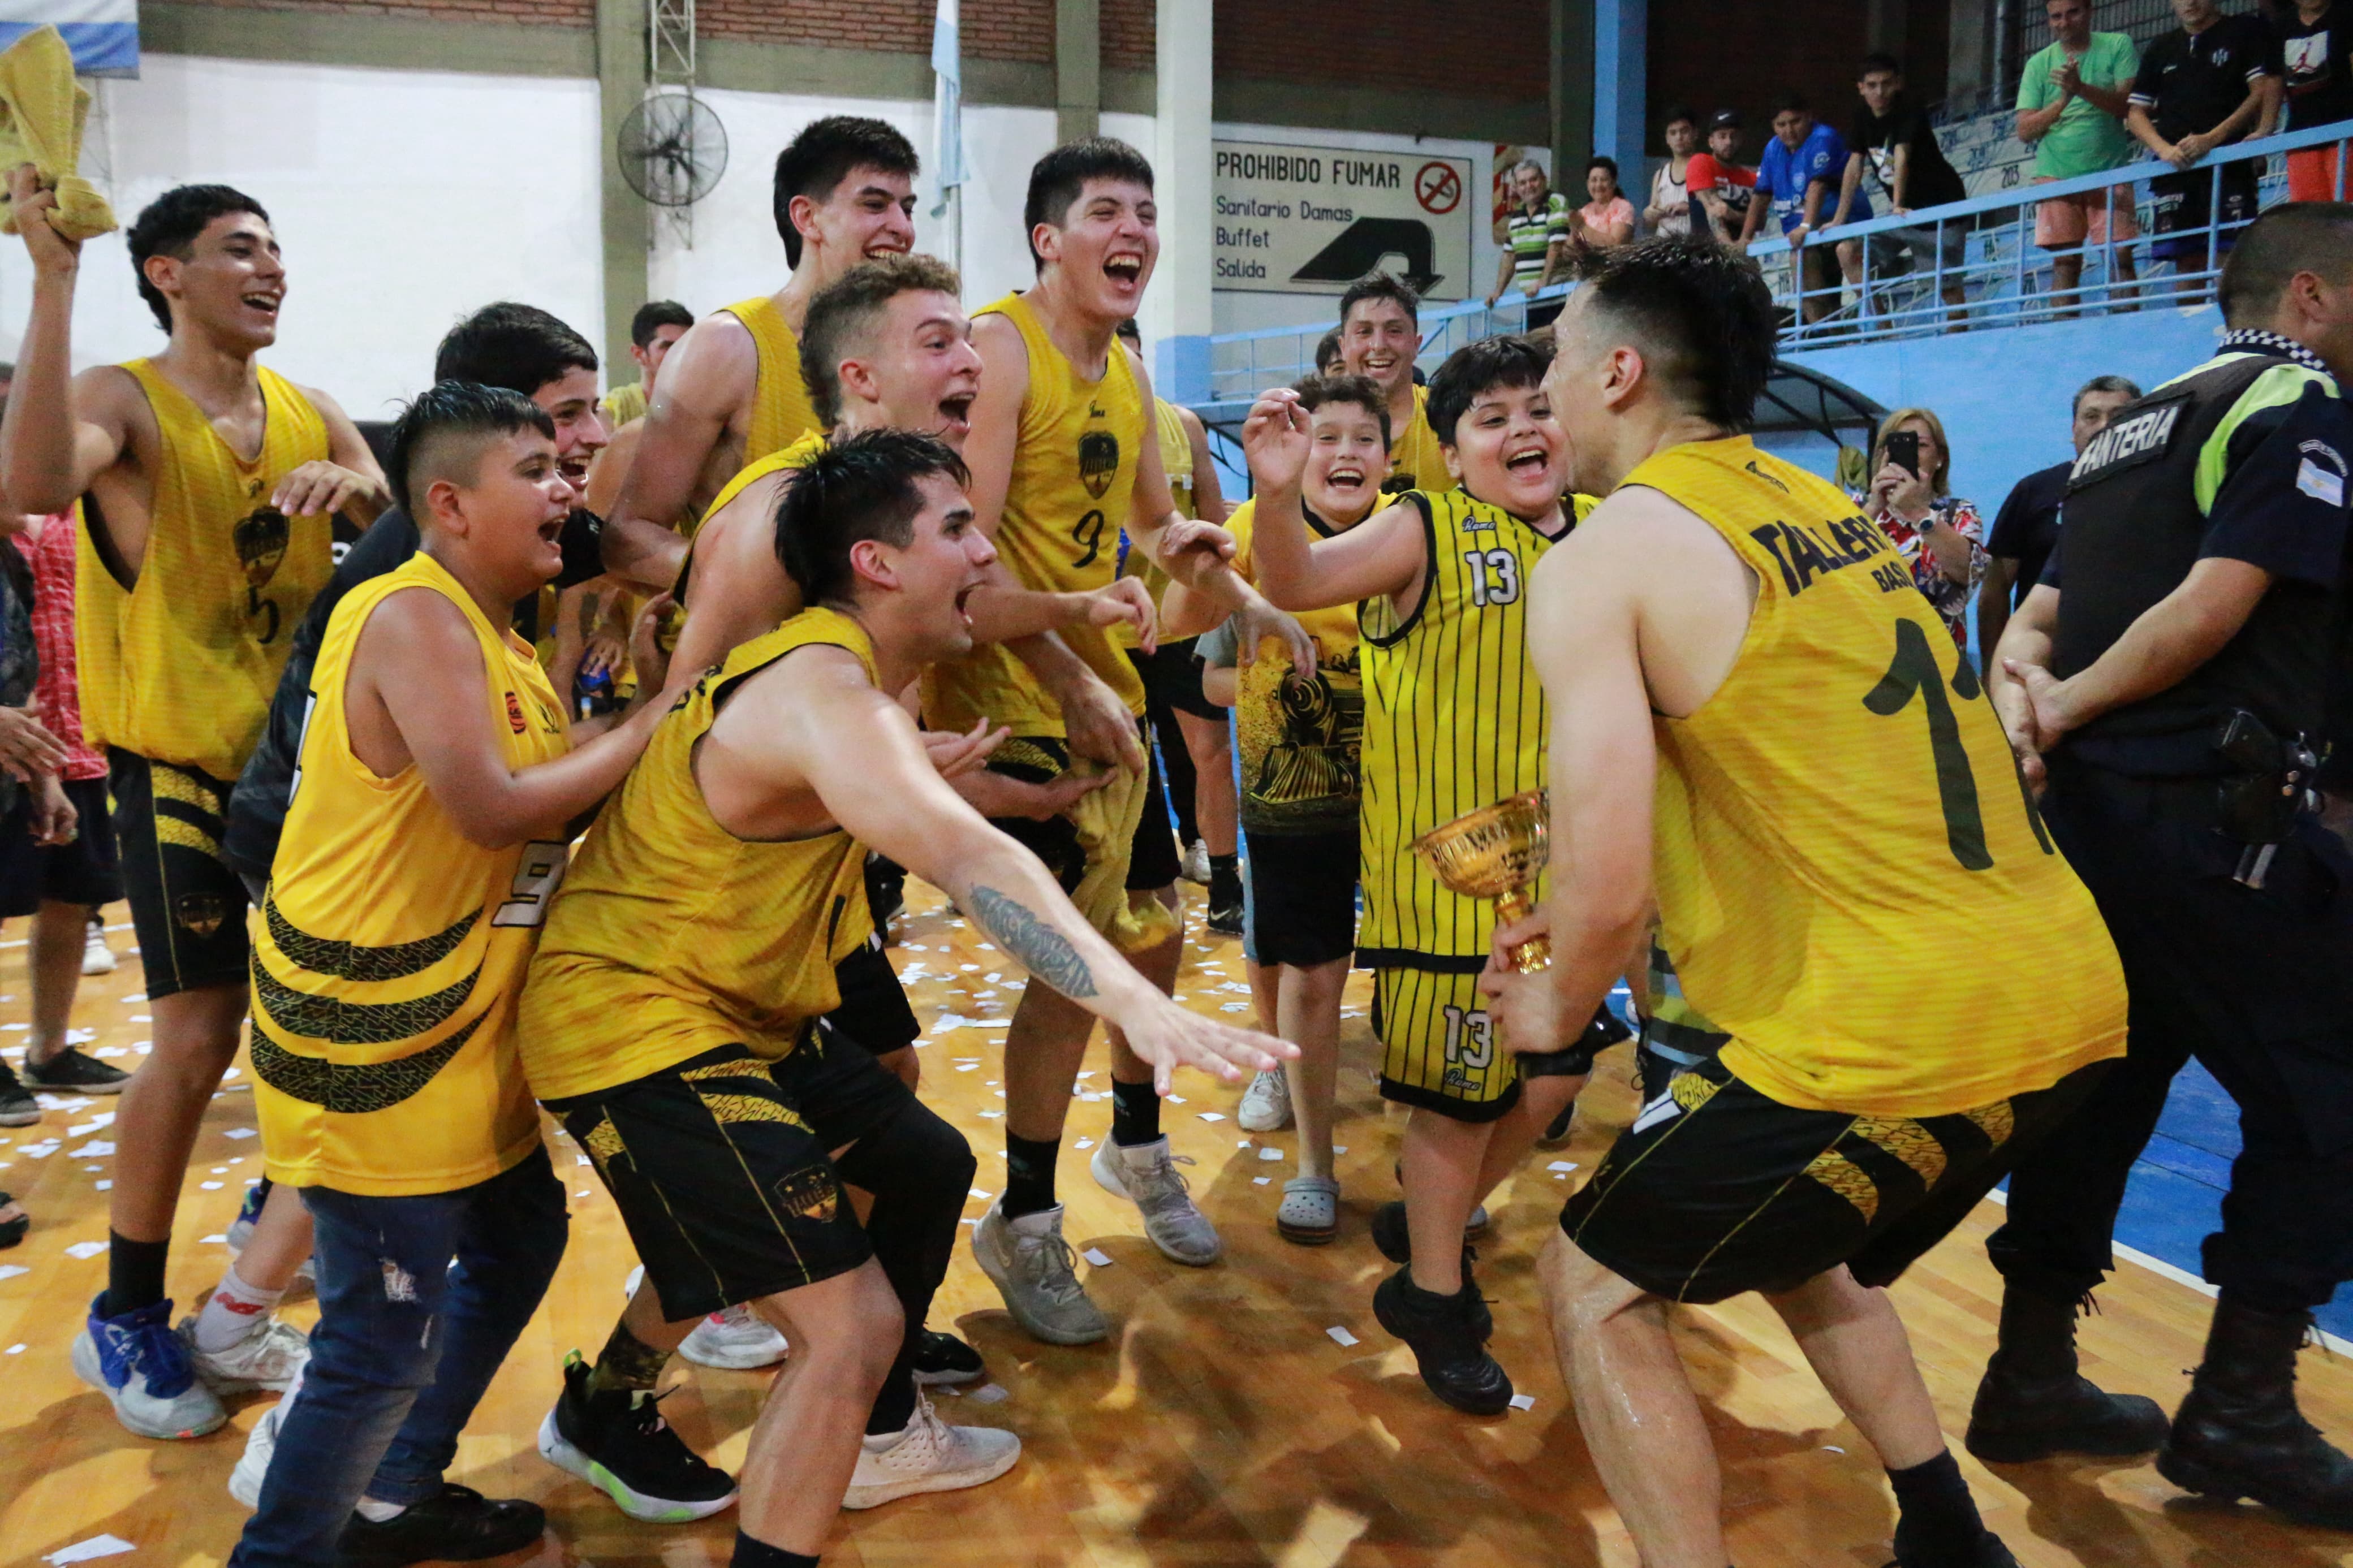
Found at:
[1452, 722]
[425, 836]
[1800, 769]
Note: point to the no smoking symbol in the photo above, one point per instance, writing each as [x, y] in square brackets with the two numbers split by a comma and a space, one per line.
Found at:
[1438, 188]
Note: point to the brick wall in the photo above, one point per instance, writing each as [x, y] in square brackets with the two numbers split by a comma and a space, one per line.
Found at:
[1130, 35]
[1498, 49]
[1756, 52]
[530, 12]
[1016, 31]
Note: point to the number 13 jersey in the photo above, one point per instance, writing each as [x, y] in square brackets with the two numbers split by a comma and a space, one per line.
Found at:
[1841, 829]
[1072, 488]
[392, 949]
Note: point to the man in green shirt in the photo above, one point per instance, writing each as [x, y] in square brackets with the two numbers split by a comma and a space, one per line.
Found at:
[2071, 110]
[1535, 244]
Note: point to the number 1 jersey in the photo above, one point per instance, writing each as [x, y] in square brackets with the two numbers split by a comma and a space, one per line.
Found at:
[1844, 843]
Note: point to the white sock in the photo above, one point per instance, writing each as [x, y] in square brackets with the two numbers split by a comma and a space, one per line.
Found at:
[235, 1311]
[377, 1512]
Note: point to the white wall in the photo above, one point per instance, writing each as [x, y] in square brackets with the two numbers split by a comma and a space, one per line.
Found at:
[403, 200]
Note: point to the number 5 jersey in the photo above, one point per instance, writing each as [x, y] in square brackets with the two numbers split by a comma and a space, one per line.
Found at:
[392, 950]
[1841, 829]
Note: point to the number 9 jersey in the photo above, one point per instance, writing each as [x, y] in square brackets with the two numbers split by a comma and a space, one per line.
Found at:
[392, 949]
[1841, 829]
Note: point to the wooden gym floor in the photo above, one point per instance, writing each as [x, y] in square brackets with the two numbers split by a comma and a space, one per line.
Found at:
[1225, 1423]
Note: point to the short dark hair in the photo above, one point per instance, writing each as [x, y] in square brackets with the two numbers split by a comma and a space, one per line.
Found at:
[1700, 313]
[822, 156]
[862, 488]
[517, 346]
[1128, 329]
[1327, 351]
[2102, 383]
[169, 226]
[1059, 178]
[1603, 161]
[1474, 368]
[1879, 60]
[446, 417]
[1381, 285]
[1678, 113]
[2297, 237]
[1790, 102]
[653, 316]
[1357, 391]
[848, 306]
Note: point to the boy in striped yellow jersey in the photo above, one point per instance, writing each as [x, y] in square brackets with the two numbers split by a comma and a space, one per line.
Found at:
[673, 1015]
[208, 485]
[436, 787]
[1454, 721]
[1757, 720]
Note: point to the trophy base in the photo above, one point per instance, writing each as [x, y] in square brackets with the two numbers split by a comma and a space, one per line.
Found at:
[1528, 957]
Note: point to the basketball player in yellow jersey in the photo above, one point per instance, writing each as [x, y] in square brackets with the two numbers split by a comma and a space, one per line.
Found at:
[671, 1015]
[1380, 334]
[206, 483]
[1452, 722]
[1755, 716]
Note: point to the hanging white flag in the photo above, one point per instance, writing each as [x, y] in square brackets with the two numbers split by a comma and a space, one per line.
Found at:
[947, 105]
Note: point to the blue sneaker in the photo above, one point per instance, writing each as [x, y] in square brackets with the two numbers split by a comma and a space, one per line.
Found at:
[142, 1367]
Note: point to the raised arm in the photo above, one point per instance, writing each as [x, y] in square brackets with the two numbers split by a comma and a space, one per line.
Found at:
[739, 590]
[60, 431]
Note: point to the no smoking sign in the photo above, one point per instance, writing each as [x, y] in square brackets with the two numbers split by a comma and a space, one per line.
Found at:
[1438, 188]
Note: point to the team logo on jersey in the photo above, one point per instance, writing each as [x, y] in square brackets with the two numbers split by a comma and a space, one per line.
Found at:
[1098, 461]
[515, 719]
[202, 913]
[260, 542]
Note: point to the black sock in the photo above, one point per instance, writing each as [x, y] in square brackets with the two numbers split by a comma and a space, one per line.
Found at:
[134, 1273]
[751, 1553]
[627, 1363]
[894, 1404]
[1224, 876]
[1135, 1113]
[1936, 1524]
[1029, 1174]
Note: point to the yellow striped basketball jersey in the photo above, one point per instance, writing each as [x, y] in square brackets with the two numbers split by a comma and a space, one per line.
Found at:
[799, 454]
[1843, 816]
[1454, 719]
[781, 411]
[1414, 451]
[1072, 488]
[180, 667]
[673, 936]
[391, 949]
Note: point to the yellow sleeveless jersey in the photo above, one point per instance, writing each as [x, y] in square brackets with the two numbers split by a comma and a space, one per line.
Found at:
[1454, 719]
[1414, 451]
[1072, 488]
[781, 411]
[391, 950]
[181, 666]
[1842, 819]
[1176, 462]
[798, 454]
[673, 936]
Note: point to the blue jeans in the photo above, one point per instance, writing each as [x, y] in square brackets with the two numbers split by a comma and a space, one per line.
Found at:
[420, 1299]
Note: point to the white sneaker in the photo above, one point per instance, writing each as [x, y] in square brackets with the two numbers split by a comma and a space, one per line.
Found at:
[269, 1357]
[154, 1390]
[253, 1465]
[735, 1340]
[1147, 1174]
[929, 1456]
[1033, 1268]
[1266, 1103]
[1196, 862]
[97, 958]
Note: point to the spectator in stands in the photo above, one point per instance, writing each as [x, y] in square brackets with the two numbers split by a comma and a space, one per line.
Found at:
[2072, 102]
[1327, 353]
[1895, 146]
[1721, 185]
[657, 325]
[2317, 67]
[1670, 208]
[1535, 235]
[1939, 534]
[2027, 527]
[1607, 218]
[2206, 84]
[1803, 166]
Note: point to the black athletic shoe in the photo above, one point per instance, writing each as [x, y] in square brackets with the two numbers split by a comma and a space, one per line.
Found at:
[73, 1072]
[1556, 1135]
[18, 1106]
[1449, 1341]
[459, 1525]
[1396, 1242]
[942, 1358]
[619, 1443]
[1226, 914]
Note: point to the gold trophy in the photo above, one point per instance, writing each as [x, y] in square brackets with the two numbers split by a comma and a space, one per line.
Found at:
[1497, 852]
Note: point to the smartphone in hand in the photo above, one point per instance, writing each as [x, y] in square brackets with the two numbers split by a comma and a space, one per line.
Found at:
[1904, 451]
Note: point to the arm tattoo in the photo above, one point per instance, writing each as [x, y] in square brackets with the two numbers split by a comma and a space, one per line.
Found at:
[1042, 950]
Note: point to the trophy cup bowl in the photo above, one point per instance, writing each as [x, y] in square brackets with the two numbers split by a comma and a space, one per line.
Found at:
[1497, 852]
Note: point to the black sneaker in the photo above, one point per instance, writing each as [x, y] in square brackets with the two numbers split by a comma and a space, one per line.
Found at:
[459, 1525]
[1556, 1135]
[1226, 903]
[1449, 1341]
[619, 1443]
[943, 1358]
[1396, 1244]
[74, 1071]
[18, 1106]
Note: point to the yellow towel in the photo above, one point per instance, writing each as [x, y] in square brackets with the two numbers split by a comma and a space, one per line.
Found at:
[42, 110]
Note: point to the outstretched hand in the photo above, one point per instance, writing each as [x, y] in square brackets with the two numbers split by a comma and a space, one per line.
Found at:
[1170, 1037]
[956, 754]
[1276, 439]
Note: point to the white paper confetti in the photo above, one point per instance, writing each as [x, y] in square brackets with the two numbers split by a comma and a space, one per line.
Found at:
[85, 1250]
[210, 1186]
[1562, 1165]
[1096, 1256]
[214, 1238]
[1833, 1448]
[1341, 1336]
[988, 1393]
[96, 1546]
[1206, 1116]
[41, 1150]
[10, 1270]
[239, 1132]
[13, 1350]
[983, 1194]
[1175, 1099]
[1523, 1402]
[1260, 1181]
[1084, 1144]
[1270, 1153]
[84, 1129]
[104, 1186]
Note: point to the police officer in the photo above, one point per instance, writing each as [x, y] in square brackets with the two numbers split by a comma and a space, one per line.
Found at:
[2169, 679]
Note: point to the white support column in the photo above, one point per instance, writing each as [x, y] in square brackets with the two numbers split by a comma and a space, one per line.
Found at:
[1177, 313]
